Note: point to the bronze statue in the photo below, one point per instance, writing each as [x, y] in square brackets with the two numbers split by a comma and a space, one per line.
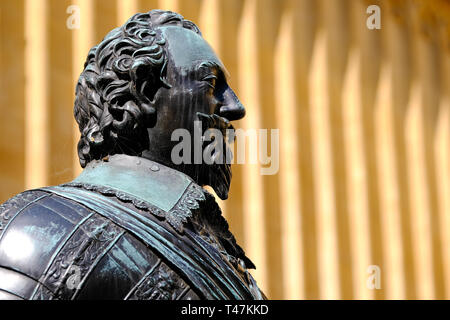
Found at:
[134, 224]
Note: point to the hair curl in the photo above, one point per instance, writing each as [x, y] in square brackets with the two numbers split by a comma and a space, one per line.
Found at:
[120, 79]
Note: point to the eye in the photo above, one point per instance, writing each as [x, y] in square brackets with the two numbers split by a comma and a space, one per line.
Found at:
[211, 80]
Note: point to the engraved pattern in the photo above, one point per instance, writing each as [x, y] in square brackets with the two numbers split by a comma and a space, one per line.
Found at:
[43, 293]
[79, 253]
[122, 196]
[176, 217]
[161, 284]
[207, 223]
[189, 201]
[9, 208]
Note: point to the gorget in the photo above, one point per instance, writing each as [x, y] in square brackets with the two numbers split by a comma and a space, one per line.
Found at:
[125, 228]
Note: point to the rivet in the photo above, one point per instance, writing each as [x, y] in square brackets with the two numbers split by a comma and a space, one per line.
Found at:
[138, 162]
[154, 168]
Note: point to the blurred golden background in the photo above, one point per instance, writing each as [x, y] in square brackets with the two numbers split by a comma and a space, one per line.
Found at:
[364, 119]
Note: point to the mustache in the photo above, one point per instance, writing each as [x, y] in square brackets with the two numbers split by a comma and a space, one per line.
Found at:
[214, 121]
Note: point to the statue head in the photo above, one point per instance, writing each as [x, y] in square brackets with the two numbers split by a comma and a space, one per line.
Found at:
[147, 78]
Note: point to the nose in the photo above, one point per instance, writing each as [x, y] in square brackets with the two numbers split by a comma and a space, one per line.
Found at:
[232, 108]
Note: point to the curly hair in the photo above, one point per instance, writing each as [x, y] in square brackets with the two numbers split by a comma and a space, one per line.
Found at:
[115, 91]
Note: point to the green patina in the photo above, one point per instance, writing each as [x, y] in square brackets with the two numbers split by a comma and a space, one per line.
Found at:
[162, 188]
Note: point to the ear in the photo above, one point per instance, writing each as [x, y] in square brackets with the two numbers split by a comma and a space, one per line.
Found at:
[163, 76]
[148, 77]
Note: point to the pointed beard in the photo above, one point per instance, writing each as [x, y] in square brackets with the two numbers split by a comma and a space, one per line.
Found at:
[219, 178]
[218, 174]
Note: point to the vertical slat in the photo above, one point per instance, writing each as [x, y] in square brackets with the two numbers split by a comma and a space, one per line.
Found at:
[267, 21]
[419, 188]
[125, 10]
[254, 212]
[191, 9]
[442, 154]
[36, 109]
[147, 5]
[83, 40]
[12, 98]
[419, 196]
[322, 167]
[60, 93]
[426, 218]
[290, 195]
[388, 183]
[105, 18]
[398, 43]
[357, 189]
[357, 195]
[172, 5]
[208, 18]
[304, 30]
[395, 213]
[371, 60]
[430, 81]
[335, 22]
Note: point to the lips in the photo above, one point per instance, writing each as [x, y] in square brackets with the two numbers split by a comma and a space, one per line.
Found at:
[214, 121]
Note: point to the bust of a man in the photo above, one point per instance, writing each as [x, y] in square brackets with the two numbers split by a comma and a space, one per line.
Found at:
[136, 224]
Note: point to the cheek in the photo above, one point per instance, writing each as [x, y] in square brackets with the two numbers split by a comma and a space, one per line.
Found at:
[193, 100]
[205, 103]
[181, 105]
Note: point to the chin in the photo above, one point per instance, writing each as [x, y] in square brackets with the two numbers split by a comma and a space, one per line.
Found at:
[217, 176]
[220, 180]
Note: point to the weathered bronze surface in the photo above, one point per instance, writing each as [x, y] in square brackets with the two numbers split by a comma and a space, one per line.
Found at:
[134, 225]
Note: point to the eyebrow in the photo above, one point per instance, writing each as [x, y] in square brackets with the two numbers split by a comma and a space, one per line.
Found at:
[222, 71]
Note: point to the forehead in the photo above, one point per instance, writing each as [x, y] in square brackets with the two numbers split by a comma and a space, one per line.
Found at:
[186, 48]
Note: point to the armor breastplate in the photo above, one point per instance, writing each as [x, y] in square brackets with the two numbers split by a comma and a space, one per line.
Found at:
[128, 228]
